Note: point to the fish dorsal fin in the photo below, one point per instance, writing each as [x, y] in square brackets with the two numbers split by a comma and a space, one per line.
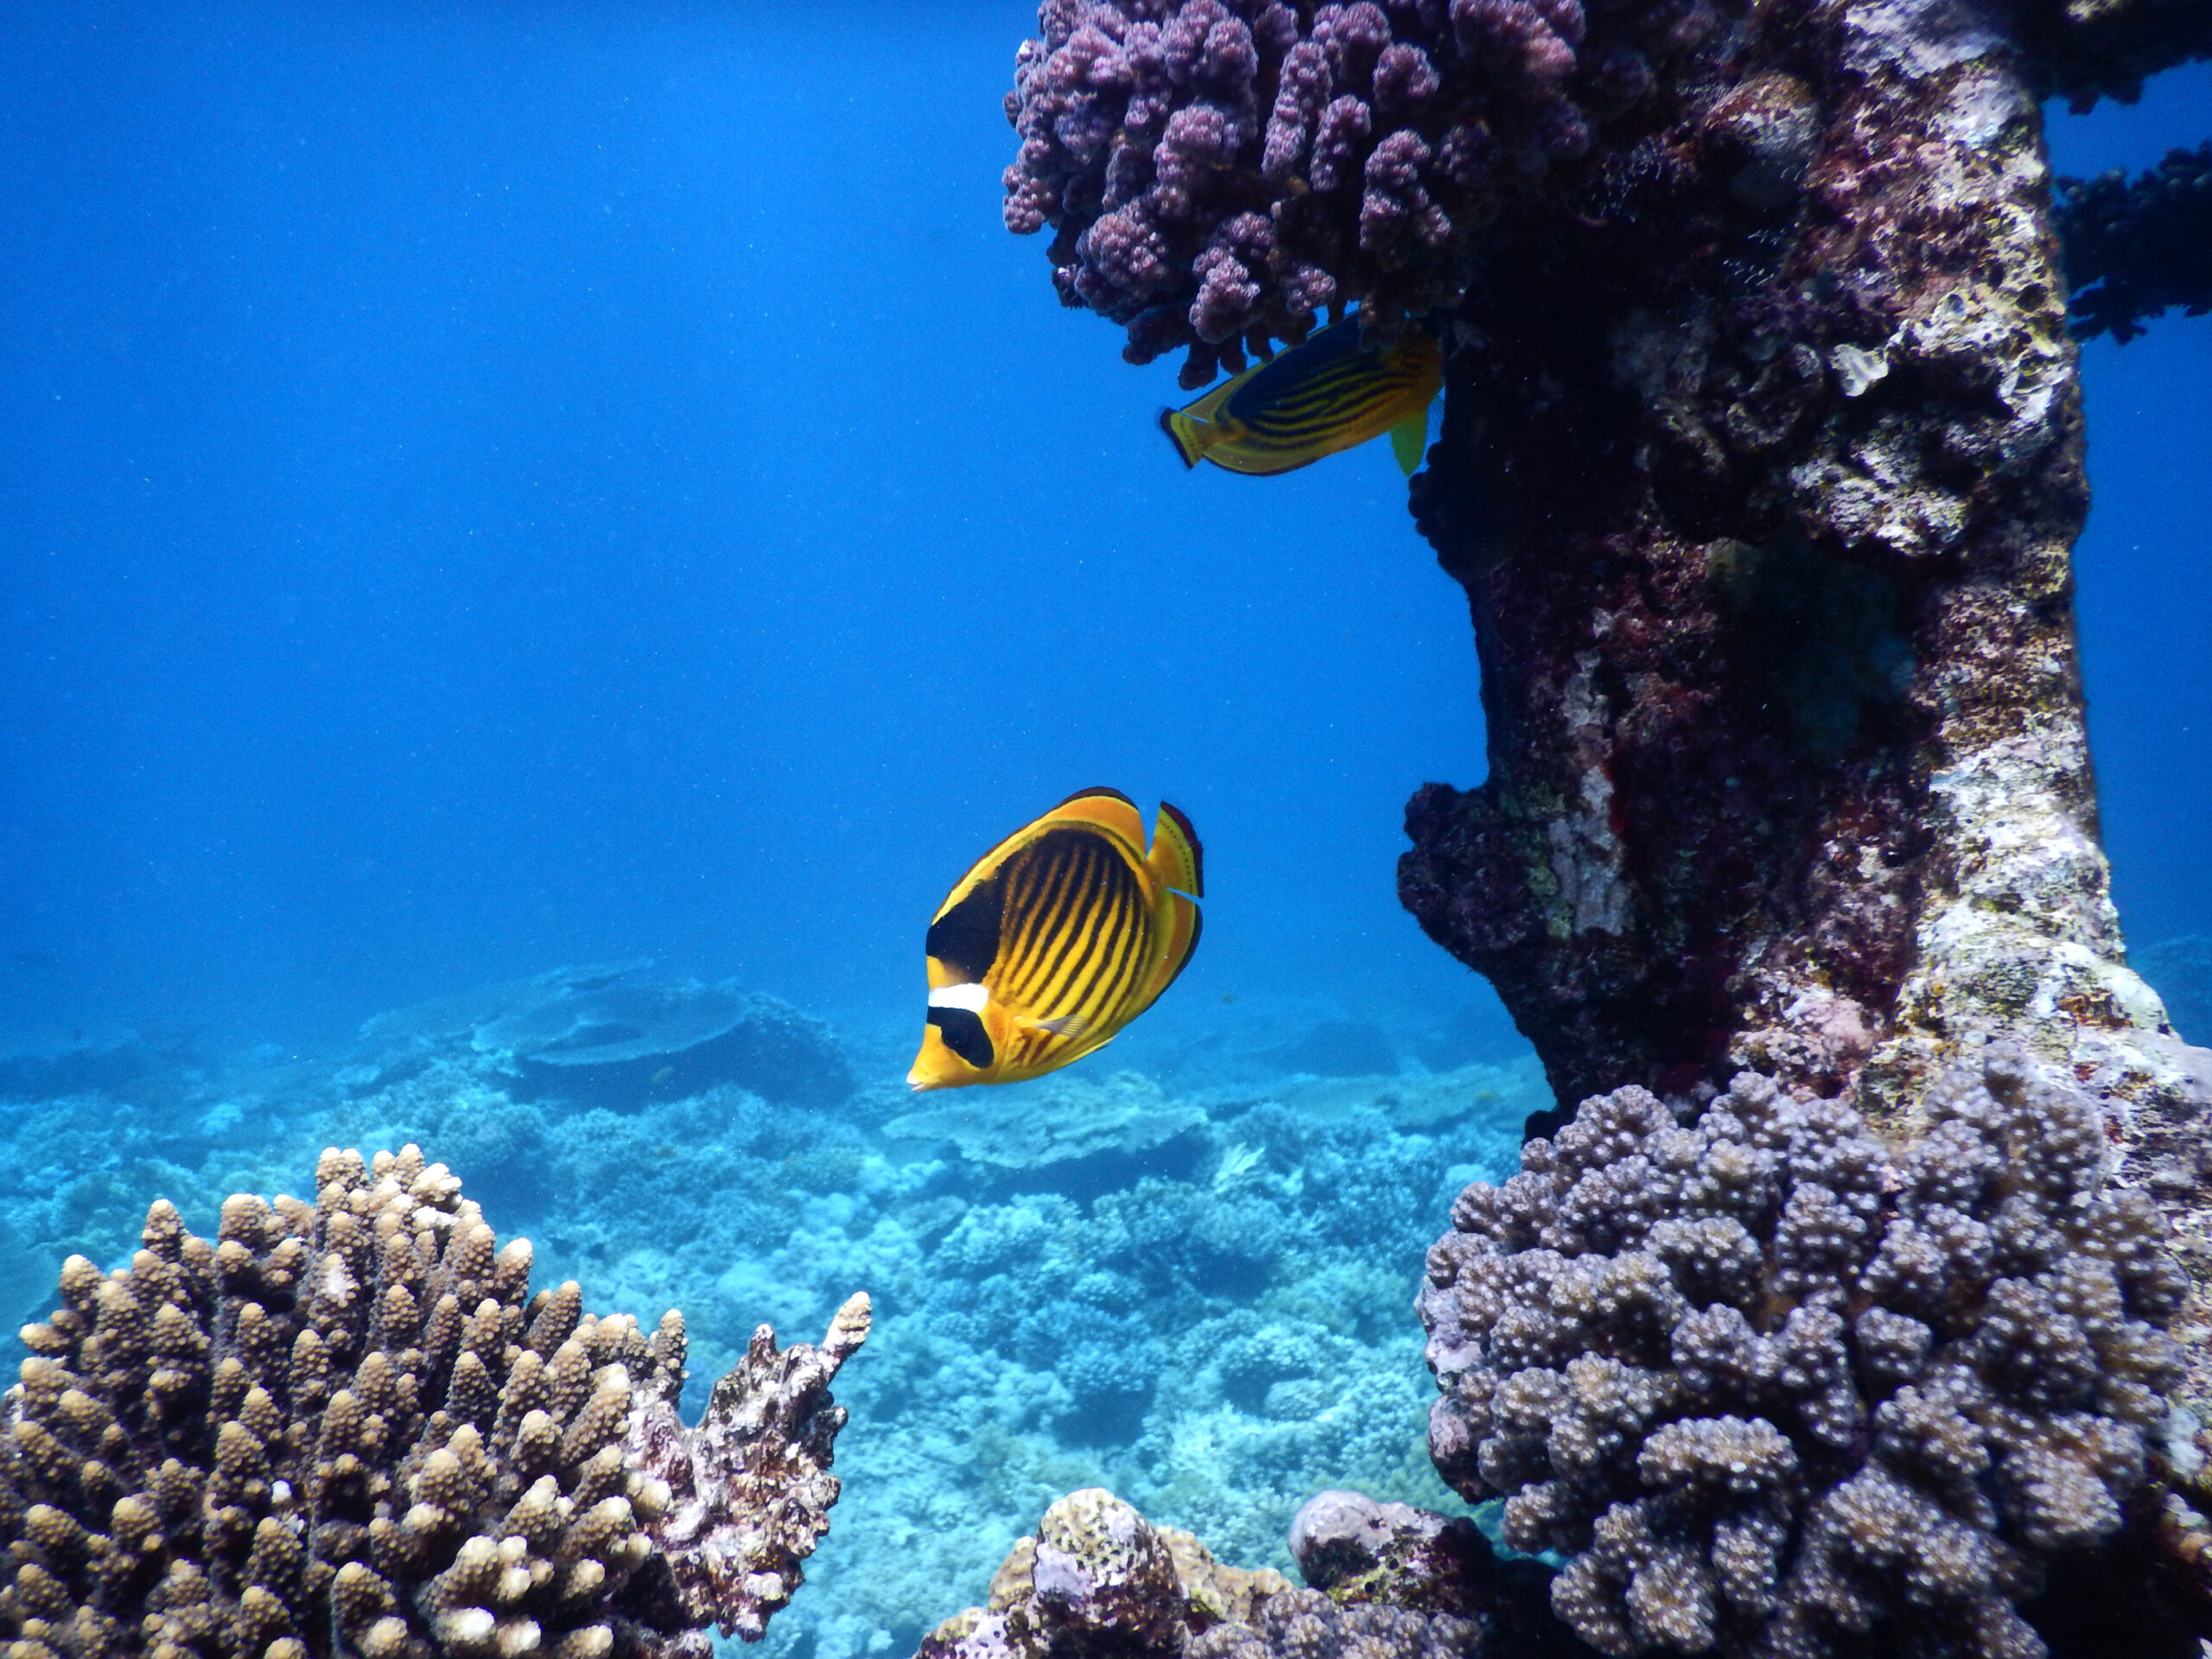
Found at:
[1108, 810]
[1177, 860]
[1410, 440]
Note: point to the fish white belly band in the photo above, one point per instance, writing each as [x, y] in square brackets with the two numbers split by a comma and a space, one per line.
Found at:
[971, 997]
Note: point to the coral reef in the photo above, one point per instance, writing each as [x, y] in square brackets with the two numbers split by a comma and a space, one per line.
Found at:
[1219, 171]
[1063, 1120]
[2135, 249]
[1767, 1384]
[1762, 484]
[1215, 1333]
[1098, 1579]
[348, 1427]
[1761, 489]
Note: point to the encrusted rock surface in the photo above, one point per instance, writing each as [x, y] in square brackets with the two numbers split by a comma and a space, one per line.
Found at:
[1762, 484]
[1768, 1386]
[1761, 491]
[1099, 1580]
[348, 1427]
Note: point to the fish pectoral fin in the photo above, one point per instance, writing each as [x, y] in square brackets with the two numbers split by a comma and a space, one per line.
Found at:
[1409, 441]
[1067, 1025]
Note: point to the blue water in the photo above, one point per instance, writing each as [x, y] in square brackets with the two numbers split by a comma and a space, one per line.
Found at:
[532, 485]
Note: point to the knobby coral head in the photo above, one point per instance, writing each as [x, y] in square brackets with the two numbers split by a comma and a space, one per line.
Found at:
[1219, 171]
[1769, 1385]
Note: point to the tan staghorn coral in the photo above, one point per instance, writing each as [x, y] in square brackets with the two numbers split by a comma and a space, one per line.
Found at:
[347, 1428]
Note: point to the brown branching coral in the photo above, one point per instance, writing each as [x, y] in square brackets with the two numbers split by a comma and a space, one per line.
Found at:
[348, 1427]
[1769, 1385]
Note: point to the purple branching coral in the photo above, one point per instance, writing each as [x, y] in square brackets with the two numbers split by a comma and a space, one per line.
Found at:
[1769, 1385]
[347, 1428]
[1219, 171]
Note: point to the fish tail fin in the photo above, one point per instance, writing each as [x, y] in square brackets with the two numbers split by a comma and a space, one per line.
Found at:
[1177, 860]
[1191, 438]
[1410, 440]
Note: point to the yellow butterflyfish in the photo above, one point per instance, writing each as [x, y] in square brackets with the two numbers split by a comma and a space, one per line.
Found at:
[1056, 940]
[1313, 400]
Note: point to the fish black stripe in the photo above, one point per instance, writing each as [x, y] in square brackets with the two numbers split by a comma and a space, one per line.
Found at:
[1109, 925]
[1335, 420]
[1131, 943]
[1043, 930]
[1071, 993]
[1136, 948]
[1320, 394]
[1350, 369]
[1052, 871]
[1048, 933]
[1029, 884]
[1074, 962]
[1347, 389]
[1331, 408]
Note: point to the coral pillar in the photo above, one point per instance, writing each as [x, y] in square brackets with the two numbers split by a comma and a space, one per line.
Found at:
[1762, 489]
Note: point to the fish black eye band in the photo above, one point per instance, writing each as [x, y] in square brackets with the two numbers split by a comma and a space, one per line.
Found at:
[963, 1033]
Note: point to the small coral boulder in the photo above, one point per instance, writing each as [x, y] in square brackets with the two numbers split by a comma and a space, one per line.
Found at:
[1768, 1383]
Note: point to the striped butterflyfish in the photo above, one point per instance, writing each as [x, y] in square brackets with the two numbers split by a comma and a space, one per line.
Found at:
[1313, 400]
[1055, 939]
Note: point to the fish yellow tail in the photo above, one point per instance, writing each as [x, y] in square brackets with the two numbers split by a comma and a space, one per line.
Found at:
[1410, 440]
[1177, 860]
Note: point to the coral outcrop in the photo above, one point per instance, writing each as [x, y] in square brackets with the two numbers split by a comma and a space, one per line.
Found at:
[615, 1035]
[2138, 248]
[1768, 1384]
[1219, 171]
[1097, 1579]
[349, 1428]
[1124, 1115]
